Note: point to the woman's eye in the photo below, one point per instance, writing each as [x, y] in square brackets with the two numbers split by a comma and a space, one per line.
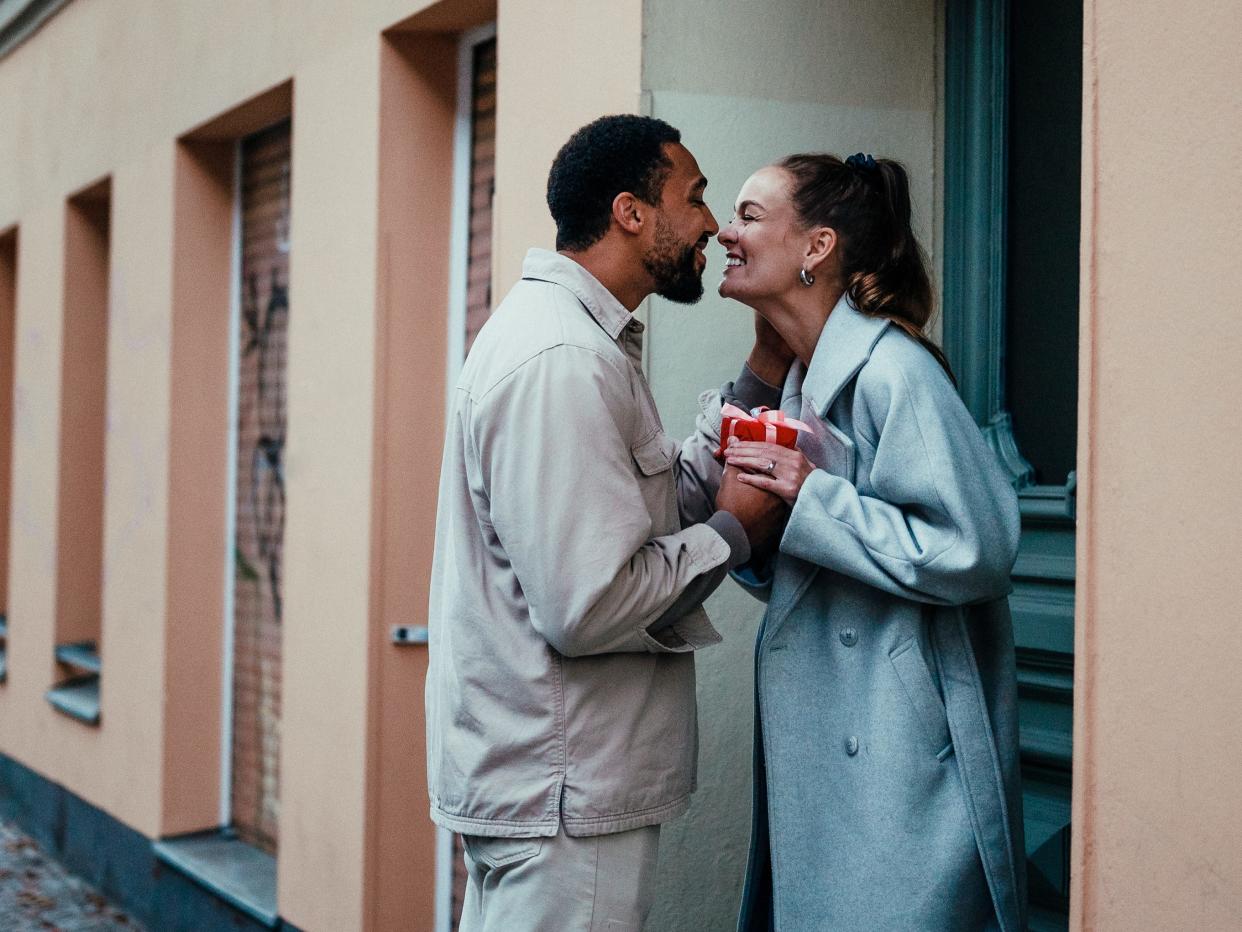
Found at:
[747, 218]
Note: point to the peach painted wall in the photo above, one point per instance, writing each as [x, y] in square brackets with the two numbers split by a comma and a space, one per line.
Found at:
[1157, 750]
[561, 63]
[83, 395]
[417, 113]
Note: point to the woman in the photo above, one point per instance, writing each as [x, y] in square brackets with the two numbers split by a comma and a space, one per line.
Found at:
[887, 790]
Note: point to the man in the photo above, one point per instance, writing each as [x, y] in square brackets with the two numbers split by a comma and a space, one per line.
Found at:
[574, 545]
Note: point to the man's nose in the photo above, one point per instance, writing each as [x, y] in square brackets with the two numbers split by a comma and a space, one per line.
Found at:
[712, 226]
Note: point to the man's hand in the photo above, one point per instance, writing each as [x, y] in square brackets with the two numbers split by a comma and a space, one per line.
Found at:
[760, 512]
[770, 357]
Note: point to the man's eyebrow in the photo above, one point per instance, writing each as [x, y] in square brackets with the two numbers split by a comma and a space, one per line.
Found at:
[699, 184]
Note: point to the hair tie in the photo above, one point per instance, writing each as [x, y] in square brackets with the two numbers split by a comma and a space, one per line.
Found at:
[861, 161]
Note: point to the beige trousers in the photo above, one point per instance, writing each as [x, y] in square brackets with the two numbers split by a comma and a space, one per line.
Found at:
[560, 884]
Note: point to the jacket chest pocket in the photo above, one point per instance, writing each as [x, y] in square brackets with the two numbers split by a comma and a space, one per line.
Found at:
[826, 445]
[654, 456]
[907, 660]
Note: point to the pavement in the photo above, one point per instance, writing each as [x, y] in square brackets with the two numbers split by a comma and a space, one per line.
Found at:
[37, 894]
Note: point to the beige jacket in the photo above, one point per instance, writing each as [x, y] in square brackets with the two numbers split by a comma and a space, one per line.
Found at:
[575, 542]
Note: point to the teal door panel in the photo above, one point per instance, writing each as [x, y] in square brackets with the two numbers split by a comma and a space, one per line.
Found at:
[1012, 138]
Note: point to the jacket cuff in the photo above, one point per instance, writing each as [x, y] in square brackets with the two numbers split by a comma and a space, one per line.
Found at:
[751, 391]
[726, 524]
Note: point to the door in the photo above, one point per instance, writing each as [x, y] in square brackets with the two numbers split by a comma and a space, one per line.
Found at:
[1013, 110]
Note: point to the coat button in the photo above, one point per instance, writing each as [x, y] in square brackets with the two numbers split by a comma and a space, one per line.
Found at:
[849, 637]
[851, 745]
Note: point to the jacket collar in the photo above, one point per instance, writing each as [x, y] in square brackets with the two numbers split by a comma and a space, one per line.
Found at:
[607, 311]
[844, 345]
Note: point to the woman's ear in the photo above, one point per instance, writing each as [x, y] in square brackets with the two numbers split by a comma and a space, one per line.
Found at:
[628, 213]
[821, 250]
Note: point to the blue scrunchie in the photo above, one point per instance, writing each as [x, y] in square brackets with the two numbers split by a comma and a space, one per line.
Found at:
[862, 162]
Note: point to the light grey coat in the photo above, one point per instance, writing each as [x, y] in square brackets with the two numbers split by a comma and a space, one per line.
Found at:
[887, 788]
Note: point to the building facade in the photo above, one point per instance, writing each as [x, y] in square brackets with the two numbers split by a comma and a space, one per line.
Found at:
[245, 246]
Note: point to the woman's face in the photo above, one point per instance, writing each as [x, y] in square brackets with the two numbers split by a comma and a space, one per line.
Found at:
[764, 242]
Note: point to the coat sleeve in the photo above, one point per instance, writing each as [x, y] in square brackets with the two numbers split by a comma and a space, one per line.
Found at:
[939, 522]
[568, 510]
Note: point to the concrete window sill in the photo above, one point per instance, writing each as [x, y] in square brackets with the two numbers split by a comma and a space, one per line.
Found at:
[81, 655]
[78, 698]
[238, 873]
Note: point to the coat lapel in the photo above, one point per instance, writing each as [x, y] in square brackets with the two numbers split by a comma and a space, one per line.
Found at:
[844, 346]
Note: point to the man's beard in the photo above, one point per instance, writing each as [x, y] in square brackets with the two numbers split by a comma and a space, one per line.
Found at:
[673, 267]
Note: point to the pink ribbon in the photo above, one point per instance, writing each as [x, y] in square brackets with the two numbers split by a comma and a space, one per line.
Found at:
[768, 417]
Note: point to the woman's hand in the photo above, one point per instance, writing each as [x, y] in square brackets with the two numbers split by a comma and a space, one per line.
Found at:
[770, 467]
[771, 357]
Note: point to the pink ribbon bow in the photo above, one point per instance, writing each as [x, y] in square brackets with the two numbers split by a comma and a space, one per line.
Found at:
[769, 426]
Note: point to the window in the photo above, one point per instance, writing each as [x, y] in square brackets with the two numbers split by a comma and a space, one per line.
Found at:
[83, 414]
[259, 492]
[8, 309]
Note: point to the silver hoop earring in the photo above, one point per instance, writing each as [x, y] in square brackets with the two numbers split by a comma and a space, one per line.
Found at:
[806, 279]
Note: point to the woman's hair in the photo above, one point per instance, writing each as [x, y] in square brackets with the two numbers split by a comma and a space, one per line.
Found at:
[867, 202]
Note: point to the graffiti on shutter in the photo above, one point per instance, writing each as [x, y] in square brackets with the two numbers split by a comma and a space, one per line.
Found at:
[260, 490]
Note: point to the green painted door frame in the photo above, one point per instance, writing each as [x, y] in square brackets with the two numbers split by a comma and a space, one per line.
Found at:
[976, 244]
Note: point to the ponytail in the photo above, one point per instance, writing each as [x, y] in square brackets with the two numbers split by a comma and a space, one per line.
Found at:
[867, 202]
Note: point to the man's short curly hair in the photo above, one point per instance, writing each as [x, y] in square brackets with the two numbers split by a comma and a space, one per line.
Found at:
[601, 160]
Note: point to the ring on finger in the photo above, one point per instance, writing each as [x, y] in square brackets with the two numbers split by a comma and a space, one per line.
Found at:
[771, 466]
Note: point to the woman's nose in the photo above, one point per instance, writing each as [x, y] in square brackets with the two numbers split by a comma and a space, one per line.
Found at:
[727, 235]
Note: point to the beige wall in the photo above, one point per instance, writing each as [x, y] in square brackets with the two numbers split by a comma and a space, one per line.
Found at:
[560, 64]
[1157, 751]
[747, 83]
[329, 466]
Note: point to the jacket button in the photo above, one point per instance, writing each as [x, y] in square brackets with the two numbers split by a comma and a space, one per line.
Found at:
[851, 745]
[849, 637]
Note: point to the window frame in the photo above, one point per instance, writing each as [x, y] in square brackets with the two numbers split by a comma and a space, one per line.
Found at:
[459, 235]
[975, 230]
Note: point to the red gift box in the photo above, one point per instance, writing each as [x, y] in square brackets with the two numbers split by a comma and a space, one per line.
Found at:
[766, 425]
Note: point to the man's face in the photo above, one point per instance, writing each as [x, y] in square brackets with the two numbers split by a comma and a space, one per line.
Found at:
[683, 226]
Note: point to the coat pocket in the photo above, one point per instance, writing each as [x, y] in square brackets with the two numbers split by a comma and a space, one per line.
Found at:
[500, 852]
[907, 660]
[826, 445]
